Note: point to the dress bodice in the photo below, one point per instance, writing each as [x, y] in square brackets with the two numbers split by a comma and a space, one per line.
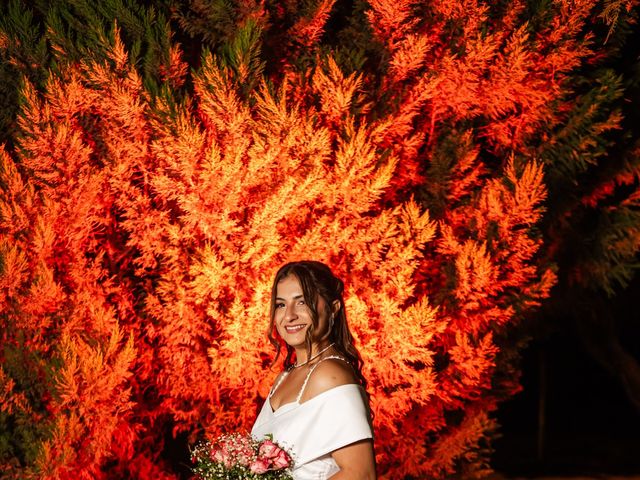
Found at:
[311, 430]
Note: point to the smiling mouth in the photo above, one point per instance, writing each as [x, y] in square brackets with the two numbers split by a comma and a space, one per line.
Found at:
[294, 328]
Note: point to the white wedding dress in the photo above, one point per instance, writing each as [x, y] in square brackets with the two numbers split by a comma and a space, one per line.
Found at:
[311, 430]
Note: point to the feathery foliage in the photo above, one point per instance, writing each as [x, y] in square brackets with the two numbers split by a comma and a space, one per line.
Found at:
[415, 148]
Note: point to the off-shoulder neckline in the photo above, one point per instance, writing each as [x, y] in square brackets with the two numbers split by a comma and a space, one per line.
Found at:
[296, 403]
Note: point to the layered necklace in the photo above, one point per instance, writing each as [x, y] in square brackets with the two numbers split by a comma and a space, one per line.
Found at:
[315, 356]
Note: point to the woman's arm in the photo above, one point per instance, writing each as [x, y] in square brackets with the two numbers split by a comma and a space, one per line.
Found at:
[356, 461]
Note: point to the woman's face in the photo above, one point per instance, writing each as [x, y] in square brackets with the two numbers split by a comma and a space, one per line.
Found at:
[293, 316]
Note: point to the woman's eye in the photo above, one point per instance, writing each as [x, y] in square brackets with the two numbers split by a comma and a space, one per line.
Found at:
[279, 305]
[301, 302]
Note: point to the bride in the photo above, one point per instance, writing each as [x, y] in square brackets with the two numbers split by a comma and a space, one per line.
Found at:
[317, 408]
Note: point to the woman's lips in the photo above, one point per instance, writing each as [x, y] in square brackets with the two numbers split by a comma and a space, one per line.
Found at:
[294, 328]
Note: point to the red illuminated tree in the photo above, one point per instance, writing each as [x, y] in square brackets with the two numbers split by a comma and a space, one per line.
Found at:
[145, 211]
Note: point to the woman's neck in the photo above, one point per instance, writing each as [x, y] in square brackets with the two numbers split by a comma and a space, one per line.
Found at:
[316, 352]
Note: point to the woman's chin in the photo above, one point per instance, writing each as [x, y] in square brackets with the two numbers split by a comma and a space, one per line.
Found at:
[296, 342]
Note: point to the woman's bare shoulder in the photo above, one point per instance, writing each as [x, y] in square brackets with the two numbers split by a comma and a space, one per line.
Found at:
[329, 374]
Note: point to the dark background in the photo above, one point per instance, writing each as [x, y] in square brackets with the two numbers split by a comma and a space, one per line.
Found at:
[591, 426]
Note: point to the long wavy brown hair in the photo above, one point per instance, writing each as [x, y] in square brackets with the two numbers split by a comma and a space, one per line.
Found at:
[317, 281]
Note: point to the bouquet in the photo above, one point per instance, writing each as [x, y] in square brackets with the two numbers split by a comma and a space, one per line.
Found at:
[240, 456]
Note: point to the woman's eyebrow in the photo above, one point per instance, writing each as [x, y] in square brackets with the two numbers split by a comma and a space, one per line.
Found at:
[294, 298]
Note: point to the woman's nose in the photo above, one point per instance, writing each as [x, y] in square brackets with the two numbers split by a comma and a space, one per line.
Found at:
[289, 312]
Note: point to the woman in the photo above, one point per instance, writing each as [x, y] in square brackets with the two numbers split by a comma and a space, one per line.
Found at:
[317, 407]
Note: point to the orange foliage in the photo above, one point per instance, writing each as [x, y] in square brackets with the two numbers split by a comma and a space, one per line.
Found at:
[197, 211]
[140, 235]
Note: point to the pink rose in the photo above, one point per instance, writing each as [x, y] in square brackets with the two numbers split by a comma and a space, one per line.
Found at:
[244, 455]
[216, 455]
[259, 466]
[281, 460]
[223, 457]
[243, 460]
[242, 447]
[268, 449]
